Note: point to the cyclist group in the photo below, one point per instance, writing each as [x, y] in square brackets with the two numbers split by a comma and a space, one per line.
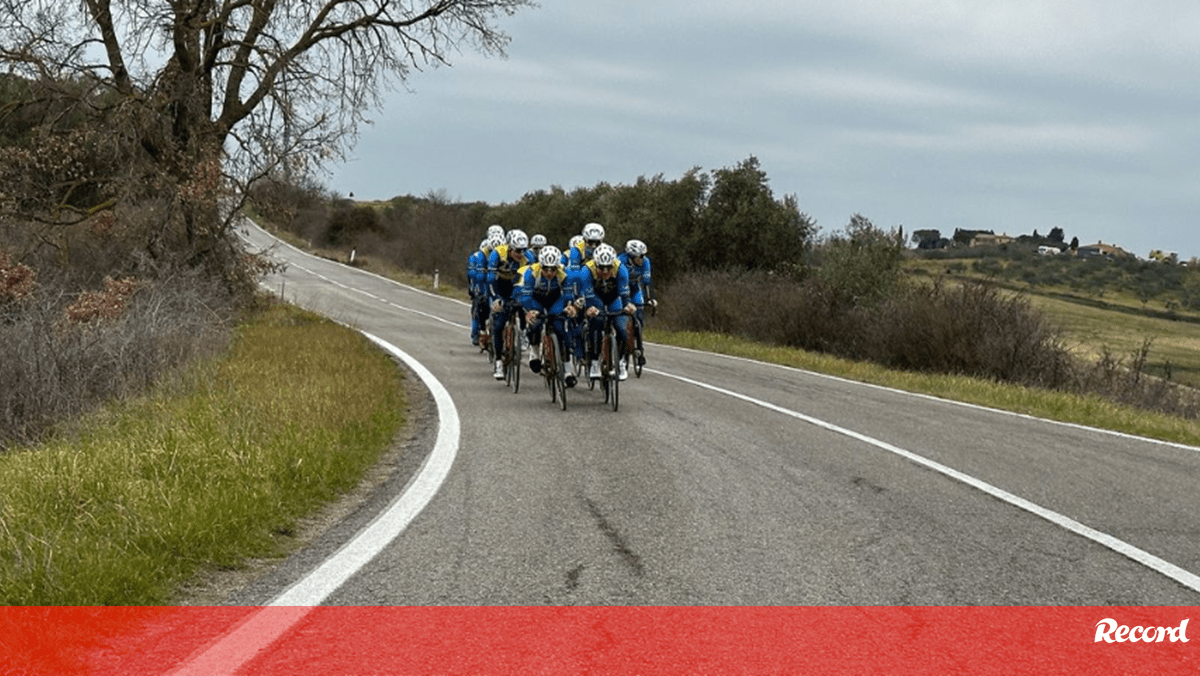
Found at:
[514, 277]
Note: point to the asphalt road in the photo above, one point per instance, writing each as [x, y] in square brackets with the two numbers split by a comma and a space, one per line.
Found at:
[725, 481]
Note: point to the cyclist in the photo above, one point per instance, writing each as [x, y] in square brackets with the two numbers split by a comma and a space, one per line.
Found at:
[546, 292]
[605, 284]
[535, 246]
[635, 260]
[574, 326]
[477, 264]
[504, 263]
[575, 243]
[593, 236]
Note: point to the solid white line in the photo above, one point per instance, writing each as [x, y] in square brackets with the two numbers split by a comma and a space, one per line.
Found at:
[1143, 557]
[930, 397]
[268, 625]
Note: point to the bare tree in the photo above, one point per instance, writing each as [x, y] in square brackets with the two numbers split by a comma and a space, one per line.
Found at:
[194, 96]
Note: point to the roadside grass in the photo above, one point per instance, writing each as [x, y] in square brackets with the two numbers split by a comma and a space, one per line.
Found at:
[211, 469]
[1060, 406]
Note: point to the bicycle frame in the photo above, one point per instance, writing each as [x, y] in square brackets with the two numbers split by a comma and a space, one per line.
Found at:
[511, 345]
[610, 348]
[553, 368]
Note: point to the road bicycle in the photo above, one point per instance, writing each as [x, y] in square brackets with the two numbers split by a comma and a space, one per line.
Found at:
[610, 348]
[634, 358]
[510, 345]
[553, 362]
[577, 327]
[485, 334]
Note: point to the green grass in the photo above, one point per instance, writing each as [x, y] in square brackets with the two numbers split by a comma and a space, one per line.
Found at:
[1090, 411]
[142, 496]
[1089, 330]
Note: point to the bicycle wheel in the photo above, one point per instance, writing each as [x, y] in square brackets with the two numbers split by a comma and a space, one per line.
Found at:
[515, 364]
[614, 382]
[586, 362]
[636, 356]
[487, 347]
[559, 383]
[605, 367]
[506, 352]
[549, 364]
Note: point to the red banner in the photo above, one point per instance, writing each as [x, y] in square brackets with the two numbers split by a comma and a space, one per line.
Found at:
[601, 640]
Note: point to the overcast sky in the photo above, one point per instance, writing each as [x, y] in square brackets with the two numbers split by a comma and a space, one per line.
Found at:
[1004, 115]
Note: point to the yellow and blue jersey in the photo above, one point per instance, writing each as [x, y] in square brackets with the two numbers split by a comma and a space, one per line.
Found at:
[503, 272]
[545, 294]
[612, 293]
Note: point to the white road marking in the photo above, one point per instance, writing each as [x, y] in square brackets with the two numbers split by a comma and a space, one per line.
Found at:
[266, 626]
[930, 397]
[1141, 556]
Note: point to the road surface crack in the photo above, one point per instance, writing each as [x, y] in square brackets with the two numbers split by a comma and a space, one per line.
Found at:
[628, 556]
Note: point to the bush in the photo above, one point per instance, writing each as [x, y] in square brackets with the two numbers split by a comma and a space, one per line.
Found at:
[66, 353]
[971, 329]
[1127, 382]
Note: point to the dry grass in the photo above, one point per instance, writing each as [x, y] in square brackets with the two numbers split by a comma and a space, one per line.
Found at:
[210, 470]
[66, 353]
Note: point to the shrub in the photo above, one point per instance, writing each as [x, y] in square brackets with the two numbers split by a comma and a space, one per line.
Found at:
[971, 329]
[17, 280]
[63, 357]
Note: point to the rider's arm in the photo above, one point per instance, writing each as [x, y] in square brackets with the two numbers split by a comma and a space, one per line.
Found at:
[524, 291]
[490, 277]
[647, 282]
[473, 272]
[623, 284]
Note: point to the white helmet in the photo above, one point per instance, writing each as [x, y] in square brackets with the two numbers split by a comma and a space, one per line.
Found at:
[537, 241]
[518, 240]
[495, 230]
[550, 257]
[635, 248]
[593, 232]
[575, 242]
[494, 241]
[483, 246]
[604, 255]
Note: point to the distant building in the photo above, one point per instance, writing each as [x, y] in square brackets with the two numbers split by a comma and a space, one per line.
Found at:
[988, 239]
[1164, 256]
[1102, 249]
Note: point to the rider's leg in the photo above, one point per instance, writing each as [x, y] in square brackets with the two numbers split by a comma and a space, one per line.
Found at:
[637, 335]
[498, 321]
[534, 333]
[560, 329]
[623, 336]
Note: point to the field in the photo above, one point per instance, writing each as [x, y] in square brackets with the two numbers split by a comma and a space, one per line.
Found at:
[1100, 307]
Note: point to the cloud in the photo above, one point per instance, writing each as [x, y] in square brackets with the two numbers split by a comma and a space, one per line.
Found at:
[933, 113]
